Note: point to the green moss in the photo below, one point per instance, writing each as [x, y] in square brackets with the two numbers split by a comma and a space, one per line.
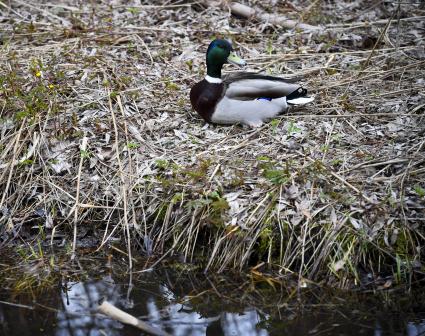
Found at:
[266, 238]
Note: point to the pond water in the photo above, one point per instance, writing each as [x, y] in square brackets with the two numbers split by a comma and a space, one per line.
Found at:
[187, 303]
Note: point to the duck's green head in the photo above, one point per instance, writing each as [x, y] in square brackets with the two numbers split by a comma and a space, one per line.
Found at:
[220, 52]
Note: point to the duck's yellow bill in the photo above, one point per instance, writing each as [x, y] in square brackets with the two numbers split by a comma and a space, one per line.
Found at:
[235, 59]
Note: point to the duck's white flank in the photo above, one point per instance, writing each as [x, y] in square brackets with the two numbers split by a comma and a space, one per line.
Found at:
[249, 112]
[214, 80]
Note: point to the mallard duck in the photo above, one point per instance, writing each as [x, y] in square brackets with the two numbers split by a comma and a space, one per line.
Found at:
[245, 98]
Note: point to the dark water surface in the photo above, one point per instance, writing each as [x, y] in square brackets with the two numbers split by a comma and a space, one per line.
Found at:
[185, 303]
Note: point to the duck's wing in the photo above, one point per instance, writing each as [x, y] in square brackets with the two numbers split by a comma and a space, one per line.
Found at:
[241, 75]
[247, 86]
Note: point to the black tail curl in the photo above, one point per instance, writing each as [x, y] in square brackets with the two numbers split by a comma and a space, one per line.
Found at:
[300, 92]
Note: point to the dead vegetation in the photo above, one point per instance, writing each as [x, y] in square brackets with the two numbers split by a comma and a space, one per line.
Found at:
[97, 134]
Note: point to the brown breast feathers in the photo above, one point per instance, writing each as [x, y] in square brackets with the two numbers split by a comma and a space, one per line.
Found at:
[204, 97]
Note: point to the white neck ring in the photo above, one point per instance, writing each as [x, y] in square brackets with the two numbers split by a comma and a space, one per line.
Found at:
[214, 80]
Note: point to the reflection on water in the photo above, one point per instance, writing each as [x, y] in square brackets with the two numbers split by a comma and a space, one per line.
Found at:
[79, 301]
[415, 329]
[177, 318]
[189, 305]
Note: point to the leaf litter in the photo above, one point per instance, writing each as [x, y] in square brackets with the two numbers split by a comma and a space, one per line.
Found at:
[332, 191]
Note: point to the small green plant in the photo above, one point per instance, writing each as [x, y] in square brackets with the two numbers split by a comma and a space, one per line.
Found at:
[269, 47]
[189, 64]
[177, 198]
[238, 180]
[113, 94]
[398, 275]
[347, 104]
[220, 204]
[419, 190]
[274, 124]
[198, 173]
[331, 71]
[217, 206]
[263, 158]
[172, 86]
[133, 10]
[162, 164]
[276, 176]
[181, 102]
[336, 162]
[324, 148]
[133, 145]
[272, 172]
[27, 162]
[292, 127]
[84, 154]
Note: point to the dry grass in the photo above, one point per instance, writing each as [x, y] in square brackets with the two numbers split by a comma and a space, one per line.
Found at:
[96, 131]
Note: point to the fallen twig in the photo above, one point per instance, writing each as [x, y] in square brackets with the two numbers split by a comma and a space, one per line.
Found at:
[123, 317]
[250, 13]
